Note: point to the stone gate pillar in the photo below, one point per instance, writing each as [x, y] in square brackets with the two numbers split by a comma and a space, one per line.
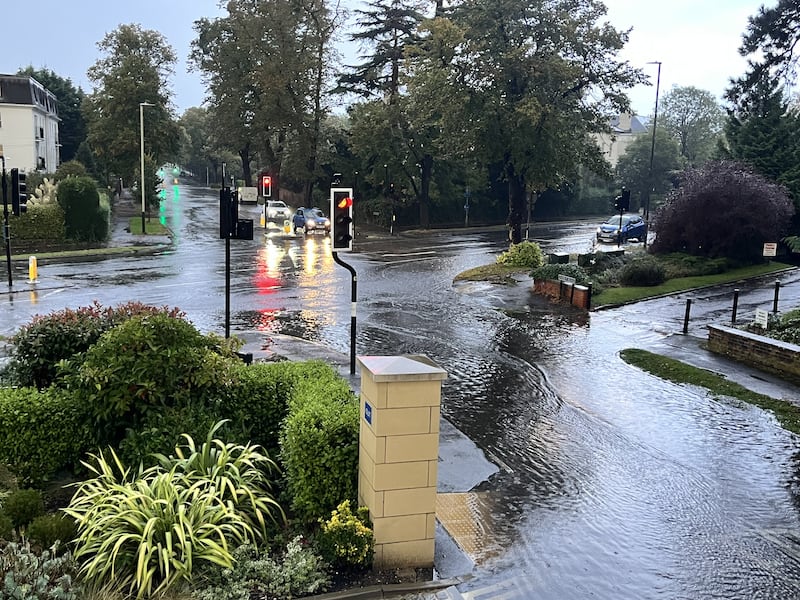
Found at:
[398, 456]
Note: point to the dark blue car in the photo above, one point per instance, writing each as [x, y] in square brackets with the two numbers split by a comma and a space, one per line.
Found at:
[633, 227]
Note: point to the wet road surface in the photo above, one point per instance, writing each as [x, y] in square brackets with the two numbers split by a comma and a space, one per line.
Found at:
[611, 483]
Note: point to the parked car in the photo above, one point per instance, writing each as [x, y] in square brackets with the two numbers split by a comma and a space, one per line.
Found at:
[311, 219]
[633, 226]
[277, 212]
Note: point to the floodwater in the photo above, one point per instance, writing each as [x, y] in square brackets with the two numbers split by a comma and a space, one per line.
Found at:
[611, 483]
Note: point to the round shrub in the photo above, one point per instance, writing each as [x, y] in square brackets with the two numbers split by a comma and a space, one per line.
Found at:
[643, 272]
[147, 364]
[23, 506]
[46, 530]
[525, 254]
[80, 200]
[40, 345]
[346, 539]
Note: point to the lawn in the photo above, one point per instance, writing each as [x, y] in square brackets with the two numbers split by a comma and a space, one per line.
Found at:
[788, 415]
[621, 295]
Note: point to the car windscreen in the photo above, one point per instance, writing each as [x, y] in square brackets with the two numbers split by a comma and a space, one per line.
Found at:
[615, 220]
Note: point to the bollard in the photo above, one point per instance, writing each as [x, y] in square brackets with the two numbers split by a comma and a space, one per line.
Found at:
[32, 270]
[775, 302]
[735, 305]
[686, 316]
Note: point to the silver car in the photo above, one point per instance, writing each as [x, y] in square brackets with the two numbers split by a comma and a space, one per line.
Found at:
[277, 211]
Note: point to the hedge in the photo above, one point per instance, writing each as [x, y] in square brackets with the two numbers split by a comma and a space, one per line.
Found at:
[42, 432]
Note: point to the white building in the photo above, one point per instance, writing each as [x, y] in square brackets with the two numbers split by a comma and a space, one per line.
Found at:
[624, 130]
[28, 125]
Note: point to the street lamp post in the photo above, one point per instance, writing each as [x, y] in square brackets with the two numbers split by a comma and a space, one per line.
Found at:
[652, 152]
[141, 163]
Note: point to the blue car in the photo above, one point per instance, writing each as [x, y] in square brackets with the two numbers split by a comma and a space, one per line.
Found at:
[310, 219]
[633, 227]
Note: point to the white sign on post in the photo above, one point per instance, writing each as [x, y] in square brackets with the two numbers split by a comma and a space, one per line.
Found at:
[770, 249]
[762, 318]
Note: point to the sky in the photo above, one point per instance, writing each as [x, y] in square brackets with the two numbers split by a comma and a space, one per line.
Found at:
[696, 41]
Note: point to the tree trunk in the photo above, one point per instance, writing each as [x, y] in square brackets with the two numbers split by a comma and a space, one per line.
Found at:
[517, 205]
[247, 175]
[425, 188]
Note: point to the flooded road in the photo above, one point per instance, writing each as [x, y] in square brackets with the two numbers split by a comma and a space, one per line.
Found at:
[612, 484]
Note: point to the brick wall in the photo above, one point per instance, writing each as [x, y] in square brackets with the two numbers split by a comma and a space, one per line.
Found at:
[577, 295]
[773, 356]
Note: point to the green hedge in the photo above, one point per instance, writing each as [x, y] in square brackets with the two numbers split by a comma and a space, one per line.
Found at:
[319, 447]
[256, 402]
[42, 432]
[40, 222]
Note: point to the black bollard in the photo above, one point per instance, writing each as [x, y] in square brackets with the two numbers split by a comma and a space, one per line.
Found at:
[686, 316]
[735, 305]
[775, 302]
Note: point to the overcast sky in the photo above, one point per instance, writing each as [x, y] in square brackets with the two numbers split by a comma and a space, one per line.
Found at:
[695, 40]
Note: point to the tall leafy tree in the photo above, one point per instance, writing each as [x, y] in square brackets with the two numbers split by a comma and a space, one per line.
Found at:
[134, 67]
[72, 126]
[266, 65]
[695, 119]
[536, 78]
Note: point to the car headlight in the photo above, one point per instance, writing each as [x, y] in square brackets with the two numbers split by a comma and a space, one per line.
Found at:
[311, 222]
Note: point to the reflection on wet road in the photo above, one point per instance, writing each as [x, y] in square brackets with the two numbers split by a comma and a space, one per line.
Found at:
[612, 484]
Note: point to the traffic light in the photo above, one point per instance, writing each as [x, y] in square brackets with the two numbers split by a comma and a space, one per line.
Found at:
[623, 202]
[266, 186]
[228, 214]
[19, 192]
[342, 219]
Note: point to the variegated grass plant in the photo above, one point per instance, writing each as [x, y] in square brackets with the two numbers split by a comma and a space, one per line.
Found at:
[147, 530]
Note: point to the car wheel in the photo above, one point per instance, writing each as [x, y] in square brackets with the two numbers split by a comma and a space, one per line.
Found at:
[308, 231]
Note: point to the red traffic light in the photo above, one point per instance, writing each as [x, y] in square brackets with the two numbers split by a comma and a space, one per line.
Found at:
[346, 202]
[266, 185]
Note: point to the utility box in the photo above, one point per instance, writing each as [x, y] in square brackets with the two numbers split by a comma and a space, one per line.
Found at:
[399, 456]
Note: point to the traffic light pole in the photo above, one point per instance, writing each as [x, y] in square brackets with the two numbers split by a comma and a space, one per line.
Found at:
[353, 303]
[6, 235]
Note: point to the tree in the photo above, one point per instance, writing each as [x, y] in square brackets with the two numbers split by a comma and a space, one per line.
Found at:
[266, 66]
[72, 126]
[765, 133]
[134, 67]
[695, 119]
[528, 84]
[633, 168]
[387, 27]
[769, 44]
[722, 209]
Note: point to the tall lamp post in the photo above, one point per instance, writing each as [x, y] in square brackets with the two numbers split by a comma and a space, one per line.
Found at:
[141, 163]
[652, 151]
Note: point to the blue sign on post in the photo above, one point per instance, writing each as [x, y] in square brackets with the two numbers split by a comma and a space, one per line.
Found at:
[367, 413]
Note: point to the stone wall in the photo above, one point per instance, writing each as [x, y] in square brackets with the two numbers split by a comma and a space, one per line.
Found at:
[770, 355]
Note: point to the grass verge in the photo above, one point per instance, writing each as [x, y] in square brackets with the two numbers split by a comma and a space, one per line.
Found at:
[621, 295]
[151, 226]
[788, 414]
[495, 273]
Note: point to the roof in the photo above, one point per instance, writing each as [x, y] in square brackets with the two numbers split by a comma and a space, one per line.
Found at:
[16, 89]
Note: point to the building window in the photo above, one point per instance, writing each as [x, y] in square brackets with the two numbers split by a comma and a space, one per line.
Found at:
[41, 163]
